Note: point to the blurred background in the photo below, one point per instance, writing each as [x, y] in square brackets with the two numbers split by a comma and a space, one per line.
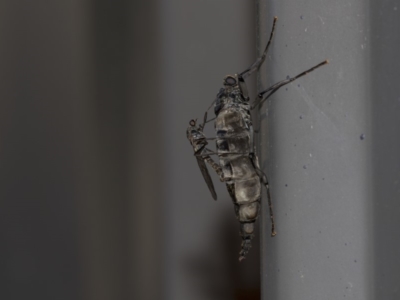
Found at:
[101, 197]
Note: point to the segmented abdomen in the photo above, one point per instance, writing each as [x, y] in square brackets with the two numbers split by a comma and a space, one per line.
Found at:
[234, 149]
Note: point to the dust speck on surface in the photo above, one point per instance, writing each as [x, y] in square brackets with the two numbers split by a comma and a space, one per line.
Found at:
[362, 136]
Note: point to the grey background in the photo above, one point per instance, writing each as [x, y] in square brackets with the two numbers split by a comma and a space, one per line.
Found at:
[101, 198]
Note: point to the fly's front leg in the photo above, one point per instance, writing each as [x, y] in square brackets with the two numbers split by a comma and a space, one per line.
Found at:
[256, 65]
[264, 180]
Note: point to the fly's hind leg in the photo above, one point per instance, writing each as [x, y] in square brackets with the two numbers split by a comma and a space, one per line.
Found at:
[256, 65]
[264, 180]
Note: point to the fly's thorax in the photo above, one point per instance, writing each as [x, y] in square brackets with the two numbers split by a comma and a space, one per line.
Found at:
[230, 95]
[228, 99]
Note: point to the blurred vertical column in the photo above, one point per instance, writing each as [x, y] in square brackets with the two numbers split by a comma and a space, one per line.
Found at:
[316, 149]
[80, 147]
[385, 91]
[42, 90]
[105, 202]
[123, 233]
[147, 144]
[202, 41]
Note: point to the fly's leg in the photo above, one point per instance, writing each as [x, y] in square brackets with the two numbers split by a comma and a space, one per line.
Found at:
[205, 121]
[260, 98]
[264, 180]
[256, 65]
[241, 76]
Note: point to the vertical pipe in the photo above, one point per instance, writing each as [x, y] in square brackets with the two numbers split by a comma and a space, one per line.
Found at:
[315, 146]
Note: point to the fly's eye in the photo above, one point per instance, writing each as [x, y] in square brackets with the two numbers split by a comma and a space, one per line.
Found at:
[192, 123]
[229, 80]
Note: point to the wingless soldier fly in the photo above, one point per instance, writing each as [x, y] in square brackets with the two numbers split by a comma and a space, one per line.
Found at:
[238, 163]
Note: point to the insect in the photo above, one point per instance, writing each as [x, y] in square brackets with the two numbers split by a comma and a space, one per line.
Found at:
[238, 164]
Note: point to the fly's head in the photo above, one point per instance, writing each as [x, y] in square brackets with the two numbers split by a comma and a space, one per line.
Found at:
[231, 93]
[196, 136]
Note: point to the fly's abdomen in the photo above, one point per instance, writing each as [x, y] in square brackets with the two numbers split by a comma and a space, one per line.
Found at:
[234, 149]
[233, 144]
[246, 189]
